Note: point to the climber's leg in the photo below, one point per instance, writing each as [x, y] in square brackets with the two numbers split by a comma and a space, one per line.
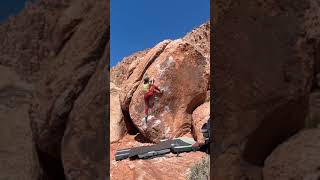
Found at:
[146, 106]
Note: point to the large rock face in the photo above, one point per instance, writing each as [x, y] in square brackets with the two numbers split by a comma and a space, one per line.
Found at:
[85, 138]
[312, 26]
[131, 83]
[125, 67]
[26, 40]
[18, 158]
[67, 75]
[200, 39]
[58, 45]
[263, 72]
[296, 159]
[183, 90]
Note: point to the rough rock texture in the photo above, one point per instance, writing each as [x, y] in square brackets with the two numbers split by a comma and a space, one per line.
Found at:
[166, 167]
[68, 72]
[83, 145]
[258, 89]
[183, 91]
[125, 67]
[312, 176]
[162, 62]
[313, 118]
[200, 39]
[57, 46]
[26, 39]
[130, 70]
[132, 82]
[181, 69]
[312, 26]
[152, 128]
[200, 116]
[18, 158]
[117, 123]
[296, 159]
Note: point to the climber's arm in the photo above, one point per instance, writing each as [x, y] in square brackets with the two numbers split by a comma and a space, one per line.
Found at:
[157, 88]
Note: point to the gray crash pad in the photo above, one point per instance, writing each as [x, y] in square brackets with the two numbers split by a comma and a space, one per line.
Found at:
[177, 145]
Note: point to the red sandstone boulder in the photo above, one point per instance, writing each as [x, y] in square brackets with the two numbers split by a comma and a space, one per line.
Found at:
[117, 124]
[130, 85]
[200, 39]
[200, 116]
[180, 72]
[122, 71]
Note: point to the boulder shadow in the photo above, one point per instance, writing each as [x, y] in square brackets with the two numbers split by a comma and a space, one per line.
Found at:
[140, 138]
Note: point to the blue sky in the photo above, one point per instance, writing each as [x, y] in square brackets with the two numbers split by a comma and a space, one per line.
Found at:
[10, 7]
[140, 24]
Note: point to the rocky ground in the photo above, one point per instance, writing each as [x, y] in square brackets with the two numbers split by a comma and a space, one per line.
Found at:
[165, 167]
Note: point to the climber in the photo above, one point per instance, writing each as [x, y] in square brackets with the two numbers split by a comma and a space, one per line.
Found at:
[150, 90]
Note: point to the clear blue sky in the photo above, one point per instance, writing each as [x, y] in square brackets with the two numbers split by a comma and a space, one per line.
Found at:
[140, 24]
[10, 7]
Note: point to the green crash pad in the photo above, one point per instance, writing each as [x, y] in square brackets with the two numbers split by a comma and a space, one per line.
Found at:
[182, 145]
